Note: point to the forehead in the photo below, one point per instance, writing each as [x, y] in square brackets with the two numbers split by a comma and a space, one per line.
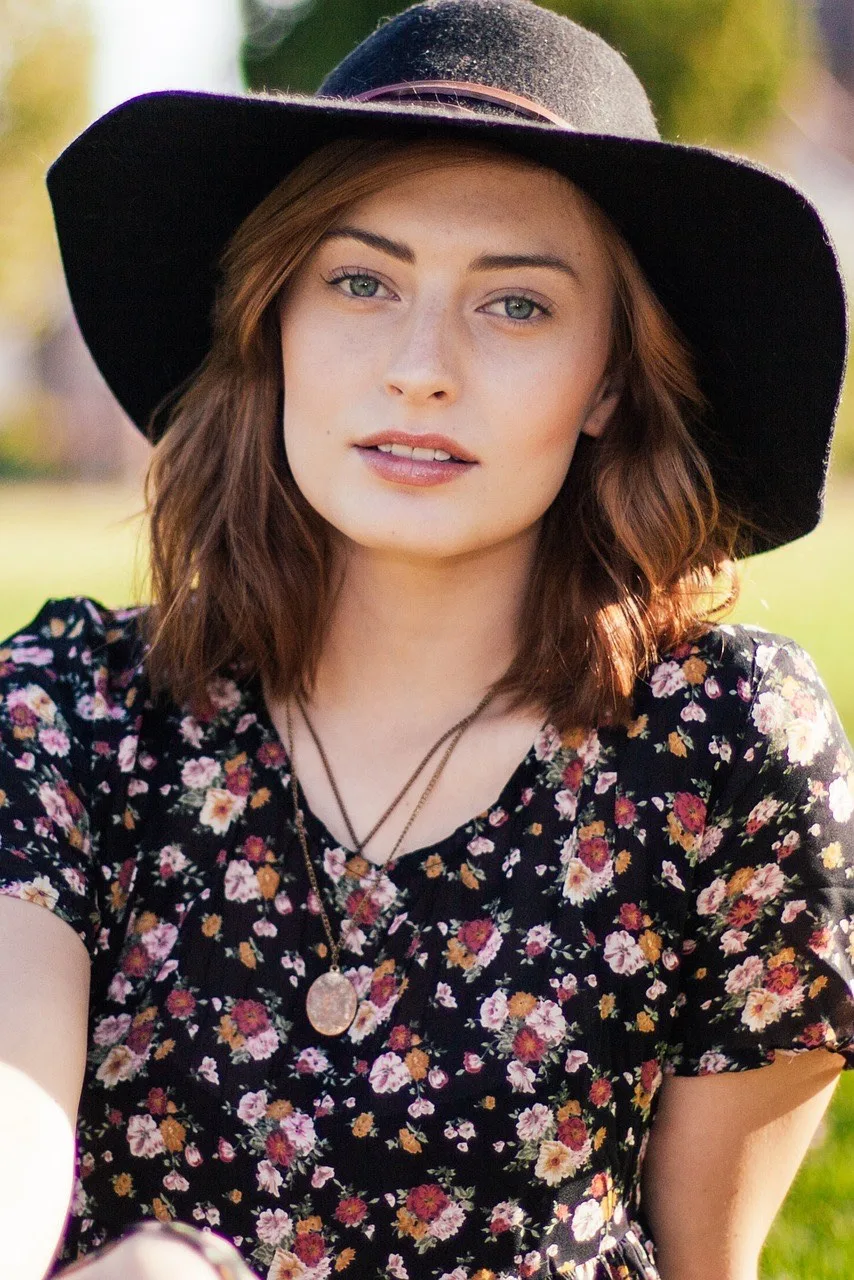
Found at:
[465, 198]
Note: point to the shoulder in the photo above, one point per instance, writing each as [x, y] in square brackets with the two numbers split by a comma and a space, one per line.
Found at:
[731, 661]
[77, 658]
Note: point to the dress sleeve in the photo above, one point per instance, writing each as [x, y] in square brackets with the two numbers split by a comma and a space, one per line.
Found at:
[56, 718]
[768, 945]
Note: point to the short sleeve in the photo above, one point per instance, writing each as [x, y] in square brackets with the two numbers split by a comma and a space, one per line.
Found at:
[57, 718]
[768, 945]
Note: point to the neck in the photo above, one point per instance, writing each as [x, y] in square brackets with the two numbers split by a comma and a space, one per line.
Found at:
[423, 639]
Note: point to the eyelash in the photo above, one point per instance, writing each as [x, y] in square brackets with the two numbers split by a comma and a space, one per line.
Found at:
[350, 274]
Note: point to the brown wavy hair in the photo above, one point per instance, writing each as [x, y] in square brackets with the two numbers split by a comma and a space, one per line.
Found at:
[636, 552]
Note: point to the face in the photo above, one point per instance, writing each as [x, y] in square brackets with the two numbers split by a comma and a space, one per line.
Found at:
[466, 310]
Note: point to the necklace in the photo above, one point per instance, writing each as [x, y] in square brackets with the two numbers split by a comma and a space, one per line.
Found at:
[331, 1001]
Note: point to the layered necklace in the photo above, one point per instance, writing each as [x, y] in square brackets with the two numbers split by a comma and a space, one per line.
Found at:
[332, 1000]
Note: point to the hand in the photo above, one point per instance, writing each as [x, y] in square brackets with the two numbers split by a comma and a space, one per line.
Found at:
[147, 1257]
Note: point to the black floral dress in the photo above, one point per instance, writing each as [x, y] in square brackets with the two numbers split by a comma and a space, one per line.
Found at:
[675, 896]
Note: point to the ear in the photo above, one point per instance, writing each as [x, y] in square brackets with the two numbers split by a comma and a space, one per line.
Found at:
[601, 410]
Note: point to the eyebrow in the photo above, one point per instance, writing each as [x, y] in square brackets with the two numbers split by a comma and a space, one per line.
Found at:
[486, 261]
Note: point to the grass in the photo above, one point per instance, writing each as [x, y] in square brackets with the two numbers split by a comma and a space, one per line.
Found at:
[75, 540]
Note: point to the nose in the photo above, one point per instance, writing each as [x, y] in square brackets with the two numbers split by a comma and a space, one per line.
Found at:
[421, 366]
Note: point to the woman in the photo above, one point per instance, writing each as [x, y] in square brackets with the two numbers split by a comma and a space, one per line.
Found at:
[443, 486]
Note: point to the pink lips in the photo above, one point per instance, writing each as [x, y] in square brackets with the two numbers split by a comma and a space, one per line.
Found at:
[413, 471]
[430, 441]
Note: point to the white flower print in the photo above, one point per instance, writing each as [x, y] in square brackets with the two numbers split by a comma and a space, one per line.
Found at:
[445, 996]
[121, 1063]
[711, 838]
[556, 1161]
[241, 883]
[220, 809]
[39, 891]
[575, 1059]
[761, 1008]
[144, 1137]
[622, 953]
[604, 783]
[769, 713]
[841, 798]
[587, 1220]
[389, 1073]
[335, 863]
[671, 875]
[733, 941]
[712, 1062]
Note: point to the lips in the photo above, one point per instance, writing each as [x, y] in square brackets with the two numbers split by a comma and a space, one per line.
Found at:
[427, 441]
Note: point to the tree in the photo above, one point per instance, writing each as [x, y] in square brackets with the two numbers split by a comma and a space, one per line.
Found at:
[44, 72]
[714, 69]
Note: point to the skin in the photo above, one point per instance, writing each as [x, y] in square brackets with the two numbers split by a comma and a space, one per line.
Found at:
[424, 568]
[437, 349]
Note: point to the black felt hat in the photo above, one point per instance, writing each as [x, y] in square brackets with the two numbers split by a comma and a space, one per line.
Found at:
[147, 197]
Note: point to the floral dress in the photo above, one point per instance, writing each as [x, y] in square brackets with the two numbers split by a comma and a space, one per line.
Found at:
[672, 896]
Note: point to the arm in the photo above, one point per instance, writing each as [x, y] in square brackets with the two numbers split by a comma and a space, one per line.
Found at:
[44, 994]
[723, 1152]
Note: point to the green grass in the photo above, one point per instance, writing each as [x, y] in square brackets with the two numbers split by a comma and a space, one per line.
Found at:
[71, 540]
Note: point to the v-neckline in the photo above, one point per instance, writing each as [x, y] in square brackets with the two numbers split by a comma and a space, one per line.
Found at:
[324, 837]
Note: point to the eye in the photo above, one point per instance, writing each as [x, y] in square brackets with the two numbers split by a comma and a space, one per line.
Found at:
[520, 308]
[361, 284]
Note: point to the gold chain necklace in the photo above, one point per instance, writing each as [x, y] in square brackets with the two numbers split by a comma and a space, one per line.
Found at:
[331, 1001]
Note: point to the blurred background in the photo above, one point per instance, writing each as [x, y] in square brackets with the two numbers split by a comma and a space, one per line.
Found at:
[771, 79]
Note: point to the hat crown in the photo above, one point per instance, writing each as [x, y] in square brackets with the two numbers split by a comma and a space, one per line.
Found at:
[514, 45]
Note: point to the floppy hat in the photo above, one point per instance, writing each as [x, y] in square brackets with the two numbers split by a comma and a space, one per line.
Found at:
[146, 198]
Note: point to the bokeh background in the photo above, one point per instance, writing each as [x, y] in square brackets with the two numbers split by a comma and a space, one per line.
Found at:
[770, 79]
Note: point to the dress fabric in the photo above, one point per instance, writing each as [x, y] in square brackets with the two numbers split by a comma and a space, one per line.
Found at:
[672, 896]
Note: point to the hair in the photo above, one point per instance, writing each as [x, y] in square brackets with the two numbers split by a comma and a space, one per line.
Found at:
[636, 551]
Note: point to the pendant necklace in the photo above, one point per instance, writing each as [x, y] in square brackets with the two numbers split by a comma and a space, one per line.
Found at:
[331, 1001]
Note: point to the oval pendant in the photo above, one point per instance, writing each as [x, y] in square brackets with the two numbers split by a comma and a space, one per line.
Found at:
[331, 1003]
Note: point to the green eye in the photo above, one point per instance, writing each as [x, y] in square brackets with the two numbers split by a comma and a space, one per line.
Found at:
[363, 286]
[519, 308]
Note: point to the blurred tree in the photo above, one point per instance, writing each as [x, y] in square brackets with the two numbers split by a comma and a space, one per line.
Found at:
[44, 74]
[714, 69]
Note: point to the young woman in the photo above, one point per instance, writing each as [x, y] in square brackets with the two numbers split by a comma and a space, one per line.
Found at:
[436, 889]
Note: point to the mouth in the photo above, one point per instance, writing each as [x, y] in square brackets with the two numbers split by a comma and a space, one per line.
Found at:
[418, 448]
[414, 466]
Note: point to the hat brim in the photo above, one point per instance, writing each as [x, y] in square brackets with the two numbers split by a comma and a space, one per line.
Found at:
[147, 197]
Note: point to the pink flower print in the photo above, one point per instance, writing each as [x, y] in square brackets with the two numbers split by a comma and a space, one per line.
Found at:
[144, 1137]
[566, 803]
[666, 679]
[55, 742]
[520, 1077]
[389, 1073]
[548, 1021]
[252, 1107]
[760, 815]
[768, 882]
[273, 1225]
[711, 898]
[200, 774]
[472, 1062]
[480, 845]
[241, 883]
[622, 952]
[533, 1123]
[268, 1177]
[745, 975]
